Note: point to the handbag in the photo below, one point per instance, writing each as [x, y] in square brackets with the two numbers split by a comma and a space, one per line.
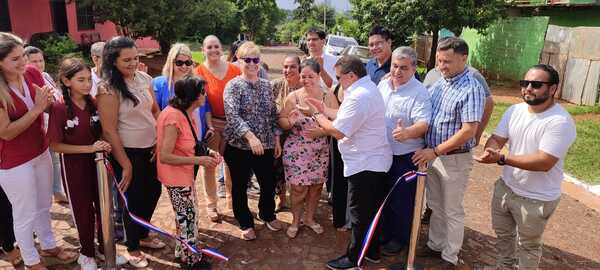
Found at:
[200, 148]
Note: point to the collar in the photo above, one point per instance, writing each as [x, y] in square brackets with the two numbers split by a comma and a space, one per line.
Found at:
[457, 76]
[359, 82]
[408, 84]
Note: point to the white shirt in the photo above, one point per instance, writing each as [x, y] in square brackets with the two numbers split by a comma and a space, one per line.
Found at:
[329, 61]
[409, 103]
[552, 131]
[95, 82]
[361, 120]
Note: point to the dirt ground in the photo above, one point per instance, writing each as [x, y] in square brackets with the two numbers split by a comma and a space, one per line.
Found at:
[571, 241]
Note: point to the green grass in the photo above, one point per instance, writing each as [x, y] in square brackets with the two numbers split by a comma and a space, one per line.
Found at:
[583, 158]
[198, 57]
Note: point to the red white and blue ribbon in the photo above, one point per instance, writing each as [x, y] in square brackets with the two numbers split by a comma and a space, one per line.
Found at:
[210, 252]
[408, 176]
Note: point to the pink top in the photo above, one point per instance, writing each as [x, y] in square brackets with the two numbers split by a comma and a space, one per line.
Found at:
[176, 175]
[32, 141]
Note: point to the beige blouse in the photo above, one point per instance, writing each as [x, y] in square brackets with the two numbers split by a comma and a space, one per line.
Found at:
[137, 125]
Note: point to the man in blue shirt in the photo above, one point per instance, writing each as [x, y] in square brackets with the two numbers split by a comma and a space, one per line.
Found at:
[457, 108]
[380, 47]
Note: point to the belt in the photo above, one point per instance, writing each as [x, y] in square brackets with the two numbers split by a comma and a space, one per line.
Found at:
[220, 118]
[458, 151]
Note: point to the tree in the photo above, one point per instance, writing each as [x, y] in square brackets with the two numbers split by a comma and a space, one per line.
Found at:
[214, 17]
[305, 10]
[164, 20]
[406, 17]
[325, 13]
[258, 17]
[348, 27]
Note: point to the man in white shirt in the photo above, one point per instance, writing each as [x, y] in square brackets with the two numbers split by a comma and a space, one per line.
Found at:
[96, 55]
[360, 129]
[539, 133]
[315, 41]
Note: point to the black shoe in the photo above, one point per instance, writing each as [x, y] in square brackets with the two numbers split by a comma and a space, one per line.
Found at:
[373, 258]
[342, 263]
[201, 265]
[391, 248]
[426, 216]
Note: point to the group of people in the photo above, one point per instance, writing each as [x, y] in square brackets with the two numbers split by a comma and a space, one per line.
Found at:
[358, 128]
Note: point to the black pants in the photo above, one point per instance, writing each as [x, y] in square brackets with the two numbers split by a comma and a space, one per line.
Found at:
[241, 165]
[365, 192]
[397, 216]
[7, 233]
[142, 195]
[339, 186]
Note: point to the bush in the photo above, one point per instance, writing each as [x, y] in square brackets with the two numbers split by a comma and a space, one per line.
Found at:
[55, 48]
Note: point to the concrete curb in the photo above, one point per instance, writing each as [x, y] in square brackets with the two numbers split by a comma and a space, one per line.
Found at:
[594, 189]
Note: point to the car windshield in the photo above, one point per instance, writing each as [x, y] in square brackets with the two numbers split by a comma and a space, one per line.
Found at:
[360, 52]
[339, 42]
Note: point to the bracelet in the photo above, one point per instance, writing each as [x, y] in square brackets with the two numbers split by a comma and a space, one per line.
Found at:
[502, 160]
[435, 152]
[314, 115]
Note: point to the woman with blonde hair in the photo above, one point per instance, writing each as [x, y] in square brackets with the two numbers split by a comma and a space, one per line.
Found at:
[25, 163]
[217, 73]
[179, 64]
[252, 137]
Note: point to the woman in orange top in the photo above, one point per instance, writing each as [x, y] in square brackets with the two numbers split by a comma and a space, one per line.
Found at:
[217, 73]
[176, 159]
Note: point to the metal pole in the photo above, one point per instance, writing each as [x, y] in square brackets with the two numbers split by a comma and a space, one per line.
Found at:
[106, 213]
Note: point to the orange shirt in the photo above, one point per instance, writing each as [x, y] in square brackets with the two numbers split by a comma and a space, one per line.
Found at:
[176, 175]
[216, 87]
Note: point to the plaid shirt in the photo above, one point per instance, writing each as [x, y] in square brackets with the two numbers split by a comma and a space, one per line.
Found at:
[457, 100]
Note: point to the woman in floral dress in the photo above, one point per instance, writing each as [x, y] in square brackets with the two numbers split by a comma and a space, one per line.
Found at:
[306, 150]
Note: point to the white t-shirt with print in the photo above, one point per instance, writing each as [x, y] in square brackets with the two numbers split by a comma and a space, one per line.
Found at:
[552, 131]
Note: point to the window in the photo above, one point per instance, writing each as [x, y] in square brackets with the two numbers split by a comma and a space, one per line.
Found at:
[85, 15]
[4, 17]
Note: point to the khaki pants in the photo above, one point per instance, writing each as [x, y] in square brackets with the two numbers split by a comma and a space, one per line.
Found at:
[446, 183]
[521, 220]
[208, 175]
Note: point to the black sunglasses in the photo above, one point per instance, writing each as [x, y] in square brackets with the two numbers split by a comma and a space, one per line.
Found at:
[249, 60]
[181, 63]
[534, 84]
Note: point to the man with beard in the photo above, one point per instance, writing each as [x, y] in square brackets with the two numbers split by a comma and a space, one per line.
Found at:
[539, 133]
[380, 47]
[457, 106]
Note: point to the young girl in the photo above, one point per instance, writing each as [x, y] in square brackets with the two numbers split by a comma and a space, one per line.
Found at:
[74, 131]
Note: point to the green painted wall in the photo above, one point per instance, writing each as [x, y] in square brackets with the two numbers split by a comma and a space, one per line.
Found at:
[573, 18]
[509, 48]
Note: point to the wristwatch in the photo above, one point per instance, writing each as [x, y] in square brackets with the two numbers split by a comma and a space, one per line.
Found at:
[502, 160]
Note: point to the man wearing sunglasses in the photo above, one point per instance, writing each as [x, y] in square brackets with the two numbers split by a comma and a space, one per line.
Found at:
[539, 133]
[457, 107]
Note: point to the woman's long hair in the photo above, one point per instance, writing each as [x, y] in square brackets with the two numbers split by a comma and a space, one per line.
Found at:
[68, 68]
[110, 73]
[8, 42]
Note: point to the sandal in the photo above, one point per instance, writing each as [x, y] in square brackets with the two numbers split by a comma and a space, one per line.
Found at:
[153, 243]
[213, 214]
[38, 266]
[316, 227]
[292, 231]
[62, 256]
[248, 234]
[14, 257]
[137, 261]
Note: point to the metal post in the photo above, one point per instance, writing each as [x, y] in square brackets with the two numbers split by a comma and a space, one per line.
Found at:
[106, 213]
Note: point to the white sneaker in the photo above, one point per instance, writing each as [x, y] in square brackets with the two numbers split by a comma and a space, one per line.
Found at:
[119, 260]
[87, 263]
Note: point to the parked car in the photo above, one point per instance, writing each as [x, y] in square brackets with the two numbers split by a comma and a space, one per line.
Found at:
[361, 52]
[335, 44]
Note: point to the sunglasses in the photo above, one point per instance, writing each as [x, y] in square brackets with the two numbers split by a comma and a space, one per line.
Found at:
[534, 84]
[249, 60]
[181, 63]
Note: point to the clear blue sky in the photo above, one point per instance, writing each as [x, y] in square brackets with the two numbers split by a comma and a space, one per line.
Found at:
[339, 5]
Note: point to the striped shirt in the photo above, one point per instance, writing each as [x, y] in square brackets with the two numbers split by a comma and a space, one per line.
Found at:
[455, 101]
